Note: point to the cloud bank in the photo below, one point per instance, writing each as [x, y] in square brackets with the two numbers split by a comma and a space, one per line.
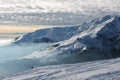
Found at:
[55, 12]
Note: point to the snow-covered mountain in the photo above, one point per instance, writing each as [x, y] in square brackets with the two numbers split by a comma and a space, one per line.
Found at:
[98, 39]
[48, 35]
[102, 34]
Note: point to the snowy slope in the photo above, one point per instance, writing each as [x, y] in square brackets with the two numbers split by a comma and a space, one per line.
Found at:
[96, 70]
[49, 35]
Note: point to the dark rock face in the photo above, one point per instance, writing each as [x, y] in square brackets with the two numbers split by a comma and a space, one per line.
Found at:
[46, 40]
[115, 53]
[17, 38]
[56, 45]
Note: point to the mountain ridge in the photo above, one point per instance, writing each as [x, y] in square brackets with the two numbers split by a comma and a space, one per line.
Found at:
[98, 37]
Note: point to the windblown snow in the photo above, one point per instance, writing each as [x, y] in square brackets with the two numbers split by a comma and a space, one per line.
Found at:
[95, 70]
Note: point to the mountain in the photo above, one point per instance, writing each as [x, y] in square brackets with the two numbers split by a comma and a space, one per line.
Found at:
[48, 35]
[97, 39]
[101, 35]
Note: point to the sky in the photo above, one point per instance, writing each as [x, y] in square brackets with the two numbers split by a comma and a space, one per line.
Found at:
[12, 29]
[33, 6]
[52, 12]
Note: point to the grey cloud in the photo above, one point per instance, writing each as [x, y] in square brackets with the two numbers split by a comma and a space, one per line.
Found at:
[55, 12]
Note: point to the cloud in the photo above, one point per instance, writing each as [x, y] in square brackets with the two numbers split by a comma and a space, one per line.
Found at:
[57, 5]
[54, 12]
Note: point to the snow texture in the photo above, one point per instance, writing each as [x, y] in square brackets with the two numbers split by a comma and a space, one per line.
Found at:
[95, 70]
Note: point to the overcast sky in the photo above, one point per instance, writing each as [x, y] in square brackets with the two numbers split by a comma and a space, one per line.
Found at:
[54, 12]
[56, 5]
